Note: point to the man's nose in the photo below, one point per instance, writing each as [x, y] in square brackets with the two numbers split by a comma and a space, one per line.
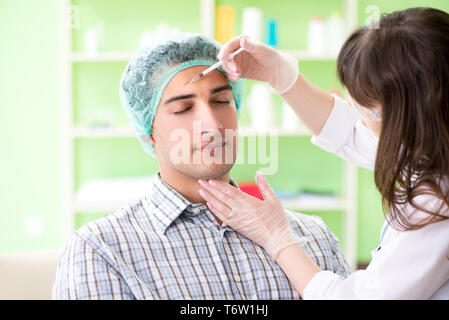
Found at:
[208, 117]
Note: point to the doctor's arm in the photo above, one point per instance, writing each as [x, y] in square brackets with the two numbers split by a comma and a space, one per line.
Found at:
[414, 264]
[310, 103]
[265, 223]
[297, 266]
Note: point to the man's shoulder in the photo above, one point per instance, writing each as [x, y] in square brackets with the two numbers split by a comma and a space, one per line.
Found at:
[112, 227]
[308, 225]
[305, 219]
[319, 242]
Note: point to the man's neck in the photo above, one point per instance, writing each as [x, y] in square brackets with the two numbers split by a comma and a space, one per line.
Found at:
[187, 186]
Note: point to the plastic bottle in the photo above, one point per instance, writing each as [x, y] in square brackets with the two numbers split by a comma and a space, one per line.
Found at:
[317, 37]
[252, 23]
[335, 33]
[93, 42]
[224, 25]
[272, 38]
[261, 107]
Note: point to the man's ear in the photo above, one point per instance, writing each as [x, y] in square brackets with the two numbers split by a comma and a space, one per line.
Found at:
[148, 138]
[151, 139]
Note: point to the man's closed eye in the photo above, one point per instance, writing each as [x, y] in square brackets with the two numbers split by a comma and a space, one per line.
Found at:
[222, 102]
[183, 110]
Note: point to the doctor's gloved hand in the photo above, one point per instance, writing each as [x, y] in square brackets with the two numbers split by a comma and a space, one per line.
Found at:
[262, 221]
[259, 62]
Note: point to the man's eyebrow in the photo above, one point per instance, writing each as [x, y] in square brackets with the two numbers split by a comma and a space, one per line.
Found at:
[219, 89]
[185, 96]
[189, 96]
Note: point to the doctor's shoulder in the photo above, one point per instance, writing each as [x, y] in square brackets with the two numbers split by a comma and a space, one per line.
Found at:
[427, 205]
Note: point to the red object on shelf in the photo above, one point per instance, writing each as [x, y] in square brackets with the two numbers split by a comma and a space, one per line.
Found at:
[251, 189]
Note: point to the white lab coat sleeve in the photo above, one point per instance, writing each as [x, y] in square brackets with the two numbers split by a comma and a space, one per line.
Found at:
[346, 136]
[410, 265]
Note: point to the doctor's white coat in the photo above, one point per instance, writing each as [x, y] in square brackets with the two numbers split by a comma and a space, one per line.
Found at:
[407, 264]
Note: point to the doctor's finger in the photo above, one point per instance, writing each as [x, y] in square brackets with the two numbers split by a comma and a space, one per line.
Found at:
[225, 196]
[229, 68]
[229, 47]
[215, 205]
[264, 187]
[225, 188]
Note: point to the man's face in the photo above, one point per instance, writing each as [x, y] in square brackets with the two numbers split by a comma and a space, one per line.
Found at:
[194, 130]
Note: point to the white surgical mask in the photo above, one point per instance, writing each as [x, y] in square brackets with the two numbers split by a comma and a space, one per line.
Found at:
[374, 138]
[365, 113]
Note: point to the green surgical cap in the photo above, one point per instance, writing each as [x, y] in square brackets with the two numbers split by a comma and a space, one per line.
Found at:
[151, 69]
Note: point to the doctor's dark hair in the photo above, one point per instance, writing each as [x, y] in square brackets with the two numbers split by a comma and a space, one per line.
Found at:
[402, 64]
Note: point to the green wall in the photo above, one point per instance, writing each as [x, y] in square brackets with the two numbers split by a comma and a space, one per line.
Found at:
[29, 124]
[29, 110]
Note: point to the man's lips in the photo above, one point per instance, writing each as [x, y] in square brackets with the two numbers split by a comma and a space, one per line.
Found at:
[211, 146]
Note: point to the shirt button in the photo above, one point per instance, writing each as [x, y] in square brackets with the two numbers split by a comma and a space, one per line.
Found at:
[237, 278]
[196, 210]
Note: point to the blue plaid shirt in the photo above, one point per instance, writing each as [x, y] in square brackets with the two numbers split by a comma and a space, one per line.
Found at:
[165, 247]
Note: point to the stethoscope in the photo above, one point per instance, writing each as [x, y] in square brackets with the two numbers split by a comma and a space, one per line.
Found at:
[384, 229]
[382, 233]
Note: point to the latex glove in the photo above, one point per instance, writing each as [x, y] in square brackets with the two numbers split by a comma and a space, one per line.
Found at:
[259, 62]
[262, 221]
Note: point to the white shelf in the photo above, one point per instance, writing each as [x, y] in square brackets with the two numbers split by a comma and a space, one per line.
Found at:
[127, 132]
[103, 132]
[315, 205]
[337, 204]
[276, 131]
[301, 55]
[108, 195]
[94, 208]
[101, 57]
[70, 132]
[295, 205]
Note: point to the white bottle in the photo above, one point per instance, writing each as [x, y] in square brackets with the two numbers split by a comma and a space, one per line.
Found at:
[317, 37]
[147, 38]
[261, 107]
[93, 42]
[335, 33]
[252, 23]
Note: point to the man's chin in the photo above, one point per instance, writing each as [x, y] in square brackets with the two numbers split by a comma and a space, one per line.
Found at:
[205, 171]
